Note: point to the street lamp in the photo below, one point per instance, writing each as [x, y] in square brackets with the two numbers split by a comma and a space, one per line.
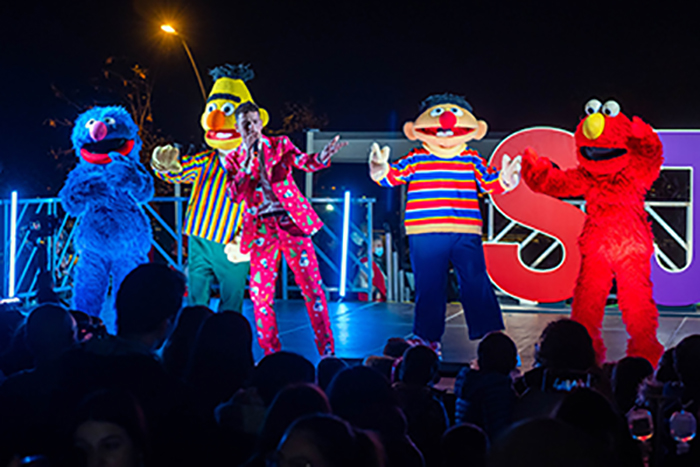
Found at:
[171, 30]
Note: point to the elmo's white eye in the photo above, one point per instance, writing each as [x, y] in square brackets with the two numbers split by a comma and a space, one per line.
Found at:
[228, 108]
[211, 107]
[611, 109]
[110, 121]
[592, 106]
[457, 111]
[436, 112]
[90, 123]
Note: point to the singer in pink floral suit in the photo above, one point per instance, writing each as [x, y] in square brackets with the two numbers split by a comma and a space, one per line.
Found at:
[277, 218]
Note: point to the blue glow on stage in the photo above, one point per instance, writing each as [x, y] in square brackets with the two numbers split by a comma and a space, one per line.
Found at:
[13, 243]
[344, 257]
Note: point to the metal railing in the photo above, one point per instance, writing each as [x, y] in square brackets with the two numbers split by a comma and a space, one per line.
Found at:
[166, 215]
[666, 237]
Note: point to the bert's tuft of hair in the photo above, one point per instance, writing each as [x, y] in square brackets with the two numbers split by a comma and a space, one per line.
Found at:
[241, 71]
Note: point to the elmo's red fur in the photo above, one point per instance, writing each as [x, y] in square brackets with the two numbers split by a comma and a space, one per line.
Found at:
[616, 169]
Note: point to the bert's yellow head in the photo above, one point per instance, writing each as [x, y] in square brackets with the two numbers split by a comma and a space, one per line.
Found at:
[229, 91]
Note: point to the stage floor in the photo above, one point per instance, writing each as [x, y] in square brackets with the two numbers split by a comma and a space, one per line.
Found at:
[362, 329]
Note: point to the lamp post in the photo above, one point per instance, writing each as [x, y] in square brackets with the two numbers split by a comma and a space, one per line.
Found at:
[171, 30]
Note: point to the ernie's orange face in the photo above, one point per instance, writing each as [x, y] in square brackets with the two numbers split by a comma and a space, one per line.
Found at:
[601, 138]
[445, 129]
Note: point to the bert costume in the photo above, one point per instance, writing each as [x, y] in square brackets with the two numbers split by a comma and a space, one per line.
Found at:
[213, 220]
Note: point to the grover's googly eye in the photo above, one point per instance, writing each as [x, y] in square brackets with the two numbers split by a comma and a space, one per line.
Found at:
[592, 106]
[611, 109]
[90, 123]
[436, 112]
[110, 121]
[228, 108]
[457, 111]
[211, 107]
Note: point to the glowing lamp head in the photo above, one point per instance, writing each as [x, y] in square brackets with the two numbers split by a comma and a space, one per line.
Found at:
[169, 29]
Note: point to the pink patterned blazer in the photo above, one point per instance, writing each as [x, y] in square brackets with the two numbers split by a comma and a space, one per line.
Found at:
[280, 156]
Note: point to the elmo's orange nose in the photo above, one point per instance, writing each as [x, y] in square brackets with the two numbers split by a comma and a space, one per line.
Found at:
[448, 120]
[216, 119]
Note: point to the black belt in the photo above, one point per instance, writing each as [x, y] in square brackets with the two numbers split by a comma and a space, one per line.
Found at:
[272, 214]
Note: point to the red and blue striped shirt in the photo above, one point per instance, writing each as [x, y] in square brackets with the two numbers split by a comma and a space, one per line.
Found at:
[442, 193]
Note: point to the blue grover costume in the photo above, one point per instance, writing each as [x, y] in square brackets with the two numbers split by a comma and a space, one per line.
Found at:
[105, 190]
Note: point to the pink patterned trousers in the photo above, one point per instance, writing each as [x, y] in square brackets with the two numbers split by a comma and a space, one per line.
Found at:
[275, 234]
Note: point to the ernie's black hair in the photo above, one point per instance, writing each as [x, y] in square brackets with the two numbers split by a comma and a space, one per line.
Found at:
[447, 98]
[241, 71]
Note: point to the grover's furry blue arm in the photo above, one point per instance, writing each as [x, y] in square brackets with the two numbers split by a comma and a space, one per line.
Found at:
[131, 176]
[85, 184]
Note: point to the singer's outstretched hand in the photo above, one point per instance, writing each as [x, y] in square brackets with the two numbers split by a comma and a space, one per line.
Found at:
[331, 148]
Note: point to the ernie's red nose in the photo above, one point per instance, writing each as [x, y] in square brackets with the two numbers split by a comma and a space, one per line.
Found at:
[448, 120]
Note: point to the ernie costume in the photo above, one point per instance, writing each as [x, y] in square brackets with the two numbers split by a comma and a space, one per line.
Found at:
[442, 219]
[278, 218]
[619, 159]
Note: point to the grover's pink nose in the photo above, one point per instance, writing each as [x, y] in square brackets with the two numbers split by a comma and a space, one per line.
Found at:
[98, 131]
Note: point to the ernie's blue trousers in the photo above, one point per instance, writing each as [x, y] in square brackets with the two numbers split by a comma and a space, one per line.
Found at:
[430, 256]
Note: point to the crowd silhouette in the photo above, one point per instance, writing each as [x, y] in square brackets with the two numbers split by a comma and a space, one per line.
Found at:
[179, 386]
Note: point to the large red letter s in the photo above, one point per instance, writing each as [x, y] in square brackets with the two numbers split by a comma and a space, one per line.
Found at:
[540, 212]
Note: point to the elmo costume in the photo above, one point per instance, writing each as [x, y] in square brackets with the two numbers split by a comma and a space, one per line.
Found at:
[619, 159]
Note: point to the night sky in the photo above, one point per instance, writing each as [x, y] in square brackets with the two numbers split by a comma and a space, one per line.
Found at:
[365, 65]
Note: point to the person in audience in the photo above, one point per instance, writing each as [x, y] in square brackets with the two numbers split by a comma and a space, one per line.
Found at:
[425, 412]
[221, 360]
[364, 398]
[564, 354]
[666, 372]
[50, 331]
[245, 411]
[546, 442]
[327, 441]
[628, 374]
[25, 397]
[290, 404]
[17, 357]
[147, 304]
[590, 412]
[110, 430]
[464, 444]
[177, 349]
[383, 364]
[395, 347]
[485, 395]
[89, 327]
[686, 362]
[326, 370]
[10, 320]
[681, 395]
